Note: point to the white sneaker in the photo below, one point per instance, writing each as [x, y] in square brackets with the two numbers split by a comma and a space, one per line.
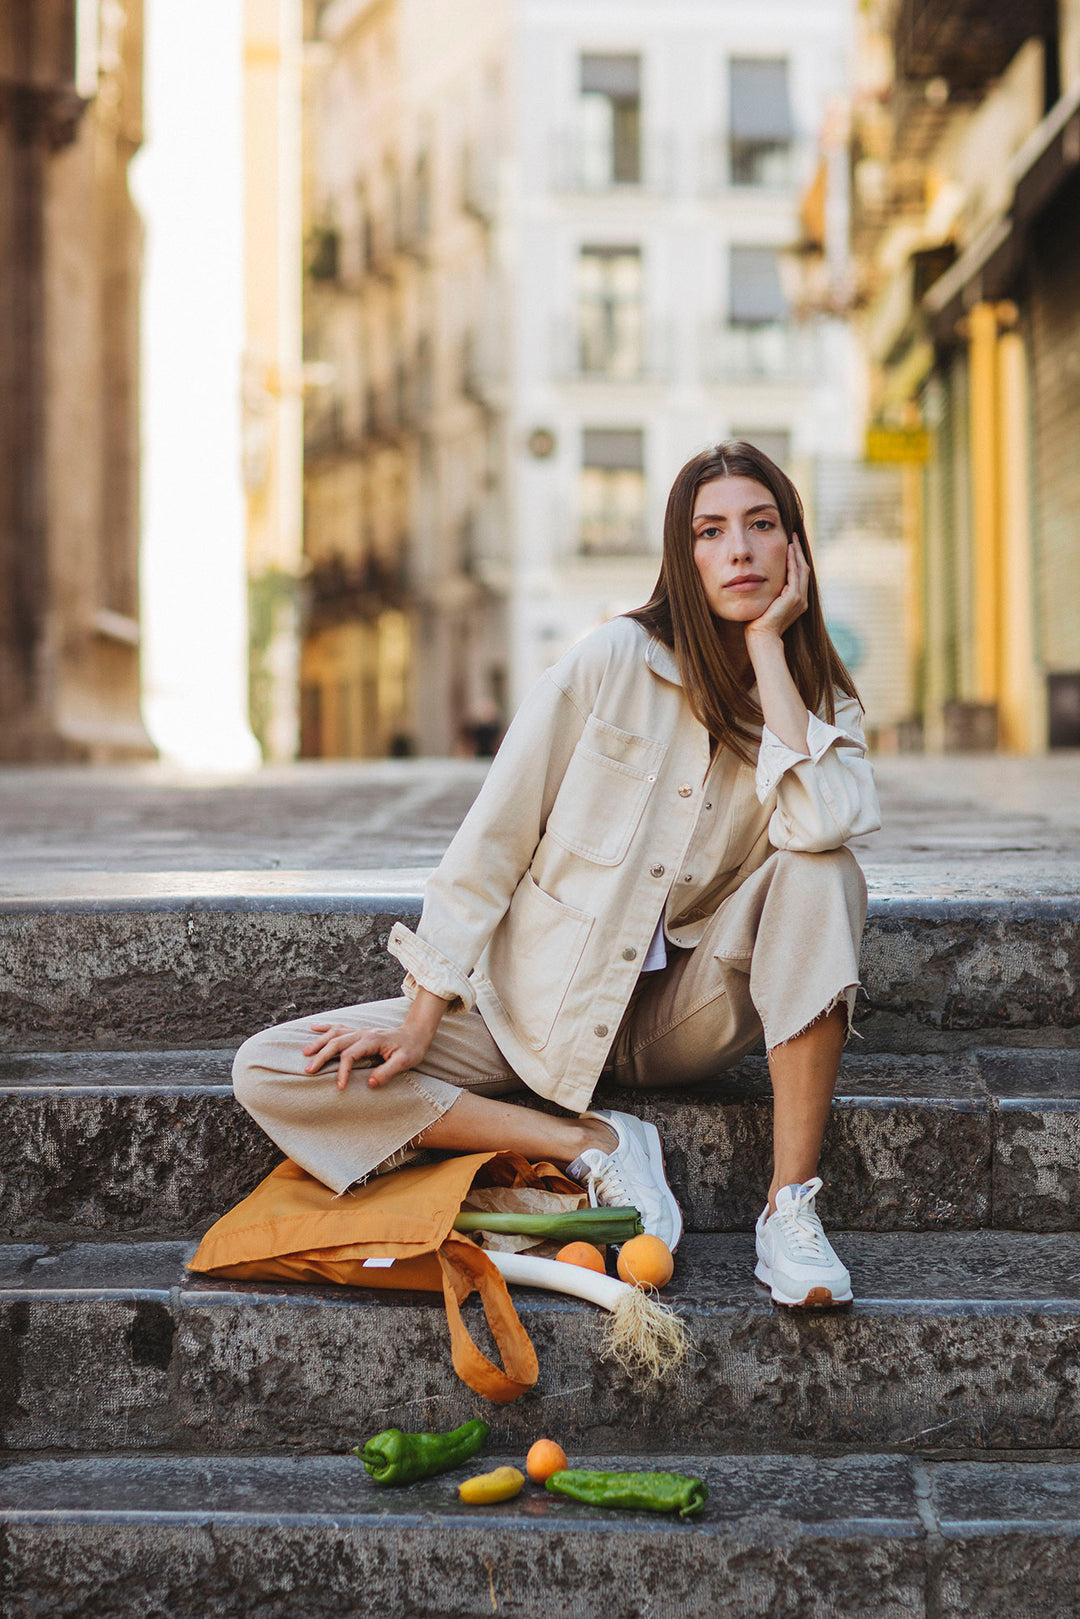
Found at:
[795, 1258]
[631, 1175]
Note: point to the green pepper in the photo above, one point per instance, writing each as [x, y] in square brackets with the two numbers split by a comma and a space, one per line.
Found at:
[647, 1492]
[393, 1457]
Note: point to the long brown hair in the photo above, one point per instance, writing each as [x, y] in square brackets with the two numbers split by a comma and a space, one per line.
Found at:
[678, 611]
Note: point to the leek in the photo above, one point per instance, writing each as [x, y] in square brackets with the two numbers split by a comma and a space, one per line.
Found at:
[572, 1225]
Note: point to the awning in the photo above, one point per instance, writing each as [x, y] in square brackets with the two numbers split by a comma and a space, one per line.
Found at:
[760, 108]
[615, 76]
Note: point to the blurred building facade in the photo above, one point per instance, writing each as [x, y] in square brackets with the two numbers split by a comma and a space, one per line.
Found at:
[70, 123]
[660, 156]
[399, 618]
[546, 262]
[965, 152]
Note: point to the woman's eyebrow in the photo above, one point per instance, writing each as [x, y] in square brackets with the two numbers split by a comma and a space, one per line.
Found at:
[721, 517]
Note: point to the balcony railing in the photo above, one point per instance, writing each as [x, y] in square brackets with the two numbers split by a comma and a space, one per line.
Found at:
[483, 547]
[773, 352]
[576, 166]
[327, 434]
[966, 43]
[343, 589]
[324, 432]
[615, 536]
[482, 369]
[479, 183]
[646, 356]
[749, 168]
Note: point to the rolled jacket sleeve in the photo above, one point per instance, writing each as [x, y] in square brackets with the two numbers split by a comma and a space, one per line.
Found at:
[466, 897]
[824, 796]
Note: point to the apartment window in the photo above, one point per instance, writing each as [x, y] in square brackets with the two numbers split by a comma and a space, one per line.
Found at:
[610, 336]
[756, 292]
[611, 120]
[761, 129]
[775, 442]
[613, 491]
[760, 340]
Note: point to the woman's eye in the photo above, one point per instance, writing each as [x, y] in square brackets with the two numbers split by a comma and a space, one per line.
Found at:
[709, 533]
[765, 522]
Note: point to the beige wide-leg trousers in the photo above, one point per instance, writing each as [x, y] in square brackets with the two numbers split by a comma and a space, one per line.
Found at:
[780, 951]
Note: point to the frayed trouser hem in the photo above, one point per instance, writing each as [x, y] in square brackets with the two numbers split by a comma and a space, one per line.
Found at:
[401, 1155]
[844, 997]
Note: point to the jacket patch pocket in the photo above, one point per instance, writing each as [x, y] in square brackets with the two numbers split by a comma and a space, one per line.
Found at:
[533, 956]
[604, 792]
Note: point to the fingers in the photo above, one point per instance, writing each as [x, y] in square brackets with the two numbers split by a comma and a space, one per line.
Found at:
[363, 1043]
[798, 575]
[398, 1063]
[322, 1032]
[360, 1047]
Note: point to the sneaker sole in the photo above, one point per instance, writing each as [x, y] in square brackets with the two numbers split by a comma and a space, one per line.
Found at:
[817, 1298]
[654, 1149]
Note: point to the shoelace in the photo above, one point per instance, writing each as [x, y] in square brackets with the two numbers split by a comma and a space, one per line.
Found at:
[605, 1184]
[802, 1226]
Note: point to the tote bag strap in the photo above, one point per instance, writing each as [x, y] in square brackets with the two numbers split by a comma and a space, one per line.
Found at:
[467, 1269]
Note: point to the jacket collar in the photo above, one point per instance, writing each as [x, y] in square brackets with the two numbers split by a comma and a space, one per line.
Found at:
[661, 661]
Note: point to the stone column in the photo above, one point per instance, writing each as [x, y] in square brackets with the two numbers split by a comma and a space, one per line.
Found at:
[39, 115]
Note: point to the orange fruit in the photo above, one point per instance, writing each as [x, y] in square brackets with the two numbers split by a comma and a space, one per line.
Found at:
[544, 1458]
[645, 1262]
[582, 1253]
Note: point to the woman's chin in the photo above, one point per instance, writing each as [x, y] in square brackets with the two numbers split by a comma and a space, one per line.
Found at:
[739, 612]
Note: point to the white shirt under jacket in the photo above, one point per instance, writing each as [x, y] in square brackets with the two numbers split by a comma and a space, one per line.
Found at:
[600, 815]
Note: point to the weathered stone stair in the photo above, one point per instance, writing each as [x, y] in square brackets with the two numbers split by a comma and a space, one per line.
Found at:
[152, 1144]
[177, 1446]
[868, 1535]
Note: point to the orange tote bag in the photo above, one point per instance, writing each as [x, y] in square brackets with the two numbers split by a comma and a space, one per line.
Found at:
[293, 1228]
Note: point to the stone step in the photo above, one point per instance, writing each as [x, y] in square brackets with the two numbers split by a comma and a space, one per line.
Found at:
[964, 1340]
[866, 1536]
[152, 1144]
[201, 959]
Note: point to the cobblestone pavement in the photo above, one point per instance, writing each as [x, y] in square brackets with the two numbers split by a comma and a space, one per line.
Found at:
[959, 825]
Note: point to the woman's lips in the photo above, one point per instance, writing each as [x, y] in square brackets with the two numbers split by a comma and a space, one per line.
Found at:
[746, 582]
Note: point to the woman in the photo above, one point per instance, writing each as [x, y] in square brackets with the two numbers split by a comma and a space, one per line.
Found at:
[651, 878]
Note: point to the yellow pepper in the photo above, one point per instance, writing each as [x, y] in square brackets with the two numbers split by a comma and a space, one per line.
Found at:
[501, 1485]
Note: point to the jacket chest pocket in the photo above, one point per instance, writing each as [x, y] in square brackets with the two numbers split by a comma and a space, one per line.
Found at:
[533, 956]
[604, 792]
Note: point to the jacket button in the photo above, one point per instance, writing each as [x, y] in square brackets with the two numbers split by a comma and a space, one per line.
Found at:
[708, 806]
[629, 954]
[656, 871]
[601, 1030]
[688, 878]
[685, 790]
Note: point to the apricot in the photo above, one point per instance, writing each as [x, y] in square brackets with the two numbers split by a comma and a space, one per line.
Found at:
[645, 1262]
[582, 1253]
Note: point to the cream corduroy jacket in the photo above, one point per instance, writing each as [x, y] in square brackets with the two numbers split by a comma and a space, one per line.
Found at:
[600, 809]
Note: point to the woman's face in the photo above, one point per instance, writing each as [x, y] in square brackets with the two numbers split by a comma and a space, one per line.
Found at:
[740, 547]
